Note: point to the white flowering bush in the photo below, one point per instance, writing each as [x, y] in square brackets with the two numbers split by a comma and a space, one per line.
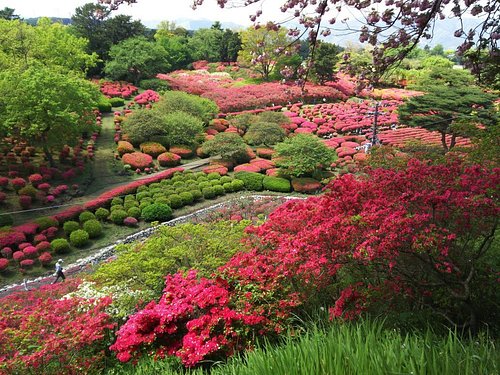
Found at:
[125, 299]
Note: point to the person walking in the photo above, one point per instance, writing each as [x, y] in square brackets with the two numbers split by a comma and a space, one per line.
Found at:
[59, 271]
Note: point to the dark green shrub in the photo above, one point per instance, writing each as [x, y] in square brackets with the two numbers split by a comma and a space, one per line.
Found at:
[215, 182]
[172, 101]
[86, 216]
[251, 180]
[93, 228]
[155, 84]
[197, 194]
[213, 176]
[175, 201]
[163, 200]
[157, 212]
[29, 190]
[104, 106]
[116, 207]
[144, 204]
[225, 179]
[202, 178]
[187, 198]
[155, 185]
[238, 185]
[129, 204]
[117, 216]
[134, 212]
[228, 187]
[178, 184]
[116, 201]
[60, 246]
[102, 214]
[204, 184]
[219, 190]
[144, 125]
[46, 222]
[70, 226]
[79, 238]
[181, 128]
[208, 193]
[265, 133]
[143, 194]
[276, 184]
[6, 220]
[116, 102]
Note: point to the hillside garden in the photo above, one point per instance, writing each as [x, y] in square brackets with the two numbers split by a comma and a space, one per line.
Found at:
[324, 227]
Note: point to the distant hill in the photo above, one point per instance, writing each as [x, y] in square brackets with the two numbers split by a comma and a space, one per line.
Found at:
[34, 21]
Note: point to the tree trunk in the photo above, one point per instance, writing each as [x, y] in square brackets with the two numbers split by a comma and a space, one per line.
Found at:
[443, 141]
[49, 156]
[453, 141]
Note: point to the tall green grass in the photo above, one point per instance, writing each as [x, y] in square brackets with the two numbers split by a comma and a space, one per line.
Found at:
[363, 348]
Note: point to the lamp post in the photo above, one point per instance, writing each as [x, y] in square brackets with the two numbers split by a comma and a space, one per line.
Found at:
[374, 138]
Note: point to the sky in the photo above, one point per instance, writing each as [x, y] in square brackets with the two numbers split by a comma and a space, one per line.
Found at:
[150, 12]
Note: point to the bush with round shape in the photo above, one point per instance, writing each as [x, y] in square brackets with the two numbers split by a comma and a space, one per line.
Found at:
[187, 198]
[175, 201]
[143, 194]
[213, 176]
[4, 182]
[276, 184]
[264, 133]
[18, 183]
[79, 238]
[134, 212]
[130, 222]
[155, 84]
[60, 246]
[6, 252]
[4, 264]
[18, 256]
[251, 180]
[70, 226]
[152, 148]
[163, 200]
[306, 185]
[194, 105]
[229, 146]
[215, 182]
[157, 212]
[124, 147]
[168, 159]
[116, 207]
[219, 190]
[197, 194]
[27, 264]
[102, 214]
[93, 228]
[185, 152]
[39, 238]
[116, 201]
[45, 259]
[137, 160]
[228, 187]
[104, 106]
[28, 190]
[25, 201]
[117, 216]
[116, 102]
[144, 204]
[46, 222]
[225, 179]
[31, 252]
[208, 193]
[43, 246]
[129, 204]
[237, 185]
[86, 216]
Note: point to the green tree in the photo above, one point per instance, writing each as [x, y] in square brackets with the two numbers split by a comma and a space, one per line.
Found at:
[175, 42]
[170, 101]
[144, 125]
[303, 155]
[8, 14]
[265, 133]
[451, 107]
[47, 107]
[262, 48]
[135, 59]
[181, 128]
[229, 146]
[205, 44]
[326, 57]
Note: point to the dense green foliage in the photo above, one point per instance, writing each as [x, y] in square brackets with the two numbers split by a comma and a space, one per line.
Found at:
[276, 184]
[157, 212]
[303, 155]
[144, 125]
[79, 238]
[173, 101]
[265, 133]
[229, 146]
[201, 246]
[251, 180]
[182, 128]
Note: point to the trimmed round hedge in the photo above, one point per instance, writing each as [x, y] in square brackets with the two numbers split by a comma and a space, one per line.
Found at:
[79, 238]
[86, 216]
[102, 214]
[93, 228]
[157, 212]
[251, 180]
[117, 216]
[70, 226]
[277, 184]
[60, 246]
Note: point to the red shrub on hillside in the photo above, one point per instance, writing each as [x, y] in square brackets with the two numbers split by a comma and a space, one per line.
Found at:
[137, 160]
[169, 159]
